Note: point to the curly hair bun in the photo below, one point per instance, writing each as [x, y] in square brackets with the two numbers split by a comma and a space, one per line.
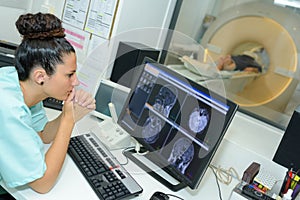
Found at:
[39, 26]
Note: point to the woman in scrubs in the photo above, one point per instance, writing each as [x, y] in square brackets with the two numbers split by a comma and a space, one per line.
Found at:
[45, 66]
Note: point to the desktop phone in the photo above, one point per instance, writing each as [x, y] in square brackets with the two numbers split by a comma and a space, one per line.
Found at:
[110, 98]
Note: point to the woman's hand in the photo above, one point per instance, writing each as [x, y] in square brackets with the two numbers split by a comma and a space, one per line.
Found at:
[67, 110]
[83, 103]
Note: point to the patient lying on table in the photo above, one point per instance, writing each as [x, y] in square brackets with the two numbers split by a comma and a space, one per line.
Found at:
[239, 63]
[255, 61]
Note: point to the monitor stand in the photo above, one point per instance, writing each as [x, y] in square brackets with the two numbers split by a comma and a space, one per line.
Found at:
[137, 159]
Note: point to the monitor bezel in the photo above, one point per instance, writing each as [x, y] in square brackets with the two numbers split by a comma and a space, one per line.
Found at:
[113, 85]
[155, 158]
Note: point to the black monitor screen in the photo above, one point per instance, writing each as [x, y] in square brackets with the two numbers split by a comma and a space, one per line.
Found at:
[180, 122]
[287, 153]
[109, 92]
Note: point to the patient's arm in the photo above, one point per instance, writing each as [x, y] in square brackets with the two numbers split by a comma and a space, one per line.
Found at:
[251, 69]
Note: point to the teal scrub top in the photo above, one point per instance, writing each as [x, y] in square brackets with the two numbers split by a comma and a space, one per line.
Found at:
[22, 156]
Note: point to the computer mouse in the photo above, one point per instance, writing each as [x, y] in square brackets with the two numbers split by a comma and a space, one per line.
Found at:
[159, 196]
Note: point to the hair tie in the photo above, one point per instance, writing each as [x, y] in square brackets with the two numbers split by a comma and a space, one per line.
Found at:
[59, 33]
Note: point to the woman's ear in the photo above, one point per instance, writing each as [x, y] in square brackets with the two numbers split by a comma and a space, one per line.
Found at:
[39, 75]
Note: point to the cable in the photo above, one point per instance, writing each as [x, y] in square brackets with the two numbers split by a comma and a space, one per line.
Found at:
[172, 195]
[138, 149]
[217, 180]
[225, 176]
[123, 152]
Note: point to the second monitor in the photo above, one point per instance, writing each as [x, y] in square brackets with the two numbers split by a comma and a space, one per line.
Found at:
[128, 57]
[109, 92]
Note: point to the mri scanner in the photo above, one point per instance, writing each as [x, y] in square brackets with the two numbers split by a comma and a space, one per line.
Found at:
[273, 27]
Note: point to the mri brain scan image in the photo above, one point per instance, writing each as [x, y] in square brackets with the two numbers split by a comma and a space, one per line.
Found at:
[152, 127]
[182, 154]
[165, 99]
[198, 119]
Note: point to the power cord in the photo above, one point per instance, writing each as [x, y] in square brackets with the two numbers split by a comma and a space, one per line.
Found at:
[123, 153]
[172, 195]
[137, 149]
[224, 176]
[219, 188]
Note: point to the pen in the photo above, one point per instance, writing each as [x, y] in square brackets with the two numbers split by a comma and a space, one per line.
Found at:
[283, 184]
[288, 180]
[296, 191]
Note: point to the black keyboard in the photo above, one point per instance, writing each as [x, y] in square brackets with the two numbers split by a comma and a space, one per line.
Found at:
[106, 176]
[53, 103]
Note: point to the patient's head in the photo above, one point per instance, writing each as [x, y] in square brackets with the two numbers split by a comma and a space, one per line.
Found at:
[243, 62]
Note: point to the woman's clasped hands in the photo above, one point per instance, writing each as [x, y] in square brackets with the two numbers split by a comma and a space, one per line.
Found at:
[80, 103]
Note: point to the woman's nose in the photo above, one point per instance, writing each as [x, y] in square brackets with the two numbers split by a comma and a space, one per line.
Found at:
[75, 81]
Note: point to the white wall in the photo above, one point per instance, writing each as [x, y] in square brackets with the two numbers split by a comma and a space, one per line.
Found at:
[53, 6]
[8, 30]
[9, 13]
[143, 21]
[10, 10]
[193, 12]
[191, 15]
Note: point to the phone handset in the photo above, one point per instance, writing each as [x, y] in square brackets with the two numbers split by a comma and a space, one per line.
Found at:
[113, 113]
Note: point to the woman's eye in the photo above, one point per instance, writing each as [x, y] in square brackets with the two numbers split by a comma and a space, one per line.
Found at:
[70, 75]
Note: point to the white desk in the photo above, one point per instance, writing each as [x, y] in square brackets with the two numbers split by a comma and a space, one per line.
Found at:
[246, 140]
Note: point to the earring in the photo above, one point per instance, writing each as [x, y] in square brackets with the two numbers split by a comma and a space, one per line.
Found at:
[42, 83]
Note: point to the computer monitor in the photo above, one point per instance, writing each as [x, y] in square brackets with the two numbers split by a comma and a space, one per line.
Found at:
[287, 153]
[109, 92]
[179, 122]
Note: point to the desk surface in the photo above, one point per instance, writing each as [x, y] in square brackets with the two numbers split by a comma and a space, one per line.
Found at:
[244, 142]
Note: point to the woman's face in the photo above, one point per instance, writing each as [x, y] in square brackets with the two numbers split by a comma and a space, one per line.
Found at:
[60, 84]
